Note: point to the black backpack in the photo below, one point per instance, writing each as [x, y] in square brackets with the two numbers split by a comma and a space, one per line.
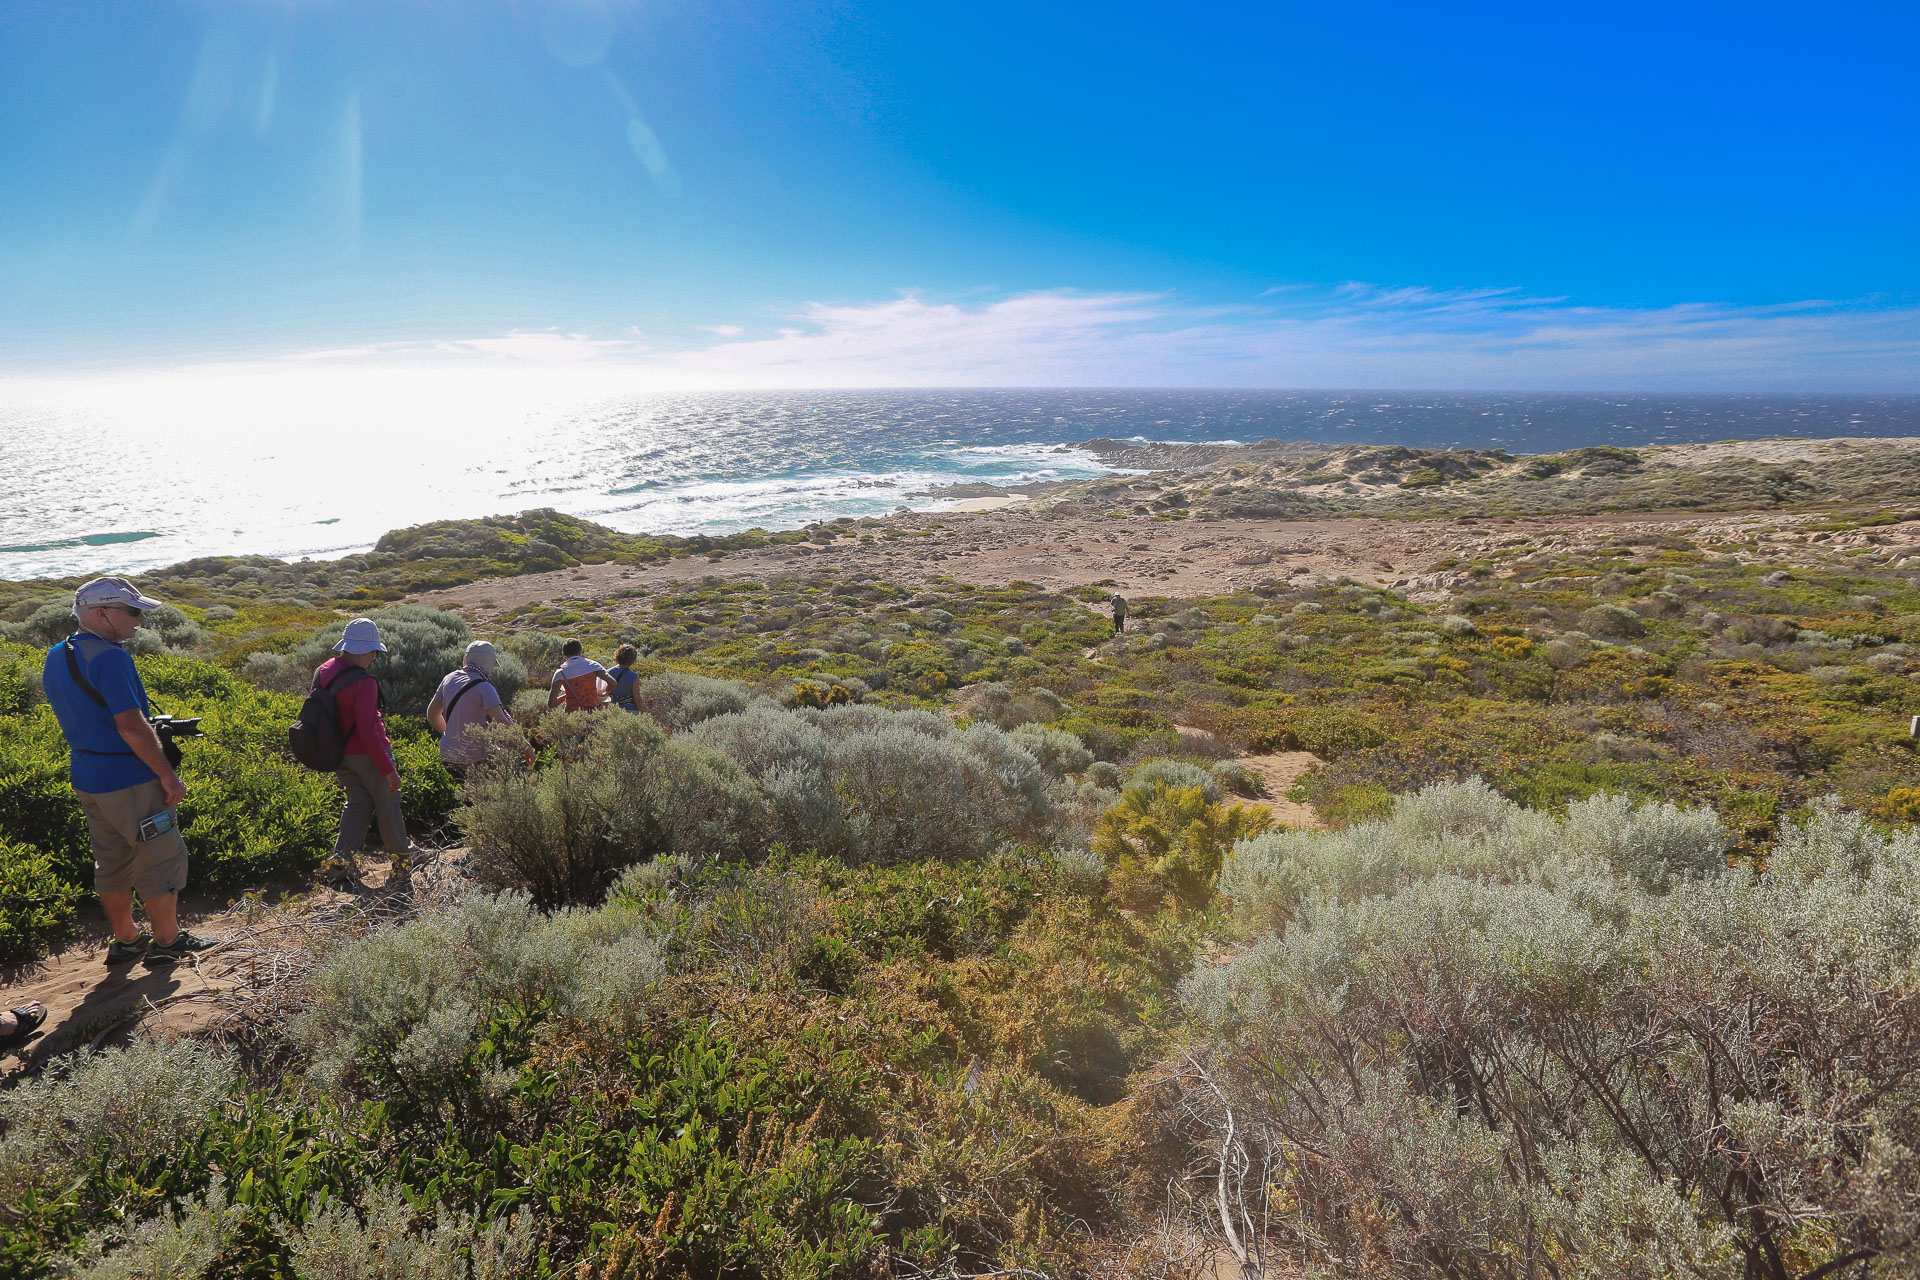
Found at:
[315, 737]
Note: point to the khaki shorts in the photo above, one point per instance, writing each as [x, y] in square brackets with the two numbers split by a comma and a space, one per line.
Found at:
[121, 860]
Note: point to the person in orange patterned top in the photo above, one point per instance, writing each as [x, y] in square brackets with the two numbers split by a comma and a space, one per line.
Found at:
[581, 683]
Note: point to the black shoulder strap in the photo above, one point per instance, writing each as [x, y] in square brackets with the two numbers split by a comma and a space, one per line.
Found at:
[343, 678]
[73, 669]
[463, 693]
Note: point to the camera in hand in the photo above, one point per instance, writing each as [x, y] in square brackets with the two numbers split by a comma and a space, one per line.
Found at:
[168, 728]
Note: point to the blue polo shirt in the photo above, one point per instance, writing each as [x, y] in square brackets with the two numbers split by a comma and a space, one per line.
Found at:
[100, 759]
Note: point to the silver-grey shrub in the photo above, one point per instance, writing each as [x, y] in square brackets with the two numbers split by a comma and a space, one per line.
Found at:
[869, 784]
[1574, 1045]
[381, 1242]
[152, 1096]
[1059, 753]
[678, 700]
[395, 1013]
[181, 1245]
[1174, 773]
[616, 791]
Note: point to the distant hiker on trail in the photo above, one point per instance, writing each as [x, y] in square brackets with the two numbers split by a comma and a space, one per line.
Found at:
[466, 699]
[126, 784]
[625, 678]
[1119, 614]
[367, 771]
[581, 683]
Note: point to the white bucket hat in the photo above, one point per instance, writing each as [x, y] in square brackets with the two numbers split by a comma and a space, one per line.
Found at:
[482, 657]
[361, 636]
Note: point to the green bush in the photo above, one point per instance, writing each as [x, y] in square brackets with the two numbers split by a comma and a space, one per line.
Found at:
[423, 645]
[614, 790]
[1332, 732]
[36, 903]
[1165, 843]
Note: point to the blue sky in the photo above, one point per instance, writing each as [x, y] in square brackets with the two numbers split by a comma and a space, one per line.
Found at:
[808, 192]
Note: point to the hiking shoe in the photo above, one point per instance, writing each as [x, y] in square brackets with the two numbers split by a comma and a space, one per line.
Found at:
[119, 952]
[339, 872]
[413, 859]
[183, 945]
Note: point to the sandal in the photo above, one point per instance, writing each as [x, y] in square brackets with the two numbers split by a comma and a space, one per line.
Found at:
[27, 1019]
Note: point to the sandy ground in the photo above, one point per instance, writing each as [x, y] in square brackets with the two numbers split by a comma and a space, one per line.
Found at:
[1277, 773]
[89, 1004]
[1059, 549]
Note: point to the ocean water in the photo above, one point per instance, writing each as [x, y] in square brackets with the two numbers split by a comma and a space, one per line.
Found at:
[119, 478]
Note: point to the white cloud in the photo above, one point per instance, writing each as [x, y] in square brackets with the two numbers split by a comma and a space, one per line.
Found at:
[1352, 335]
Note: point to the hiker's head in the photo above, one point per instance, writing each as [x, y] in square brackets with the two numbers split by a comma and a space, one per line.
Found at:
[626, 655]
[110, 608]
[359, 642]
[571, 649]
[481, 657]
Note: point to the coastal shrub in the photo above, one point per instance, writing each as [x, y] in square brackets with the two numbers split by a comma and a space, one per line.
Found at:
[1165, 843]
[36, 903]
[1680, 1042]
[867, 783]
[396, 1014]
[151, 1096]
[1332, 732]
[1611, 620]
[45, 624]
[1235, 777]
[182, 1244]
[423, 645]
[614, 790]
[1058, 753]
[380, 1242]
[678, 700]
[1174, 773]
[1469, 829]
[906, 795]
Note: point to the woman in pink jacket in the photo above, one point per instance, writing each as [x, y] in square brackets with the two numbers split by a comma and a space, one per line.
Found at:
[367, 773]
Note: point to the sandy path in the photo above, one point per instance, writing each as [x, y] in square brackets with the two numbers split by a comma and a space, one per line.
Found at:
[87, 1001]
[1143, 556]
[1279, 772]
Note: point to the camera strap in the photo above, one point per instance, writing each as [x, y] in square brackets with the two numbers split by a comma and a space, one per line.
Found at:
[85, 686]
[73, 669]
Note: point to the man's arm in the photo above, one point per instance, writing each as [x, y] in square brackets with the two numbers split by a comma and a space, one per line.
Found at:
[139, 735]
[436, 715]
[607, 679]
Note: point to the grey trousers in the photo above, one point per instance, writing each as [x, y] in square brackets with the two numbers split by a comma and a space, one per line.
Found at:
[368, 799]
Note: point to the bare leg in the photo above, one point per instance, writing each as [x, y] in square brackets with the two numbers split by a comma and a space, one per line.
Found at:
[119, 908]
[165, 914]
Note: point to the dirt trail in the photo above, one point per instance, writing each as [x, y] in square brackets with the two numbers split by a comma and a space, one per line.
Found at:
[89, 1003]
[86, 999]
[1278, 772]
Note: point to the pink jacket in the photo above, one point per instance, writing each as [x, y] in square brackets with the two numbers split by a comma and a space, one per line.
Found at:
[361, 724]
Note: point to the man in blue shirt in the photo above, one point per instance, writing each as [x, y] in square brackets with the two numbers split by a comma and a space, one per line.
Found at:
[126, 785]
